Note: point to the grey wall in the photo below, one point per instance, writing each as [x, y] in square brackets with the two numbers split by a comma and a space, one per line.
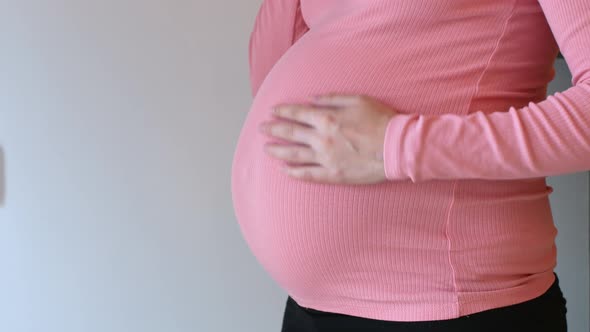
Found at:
[118, 121]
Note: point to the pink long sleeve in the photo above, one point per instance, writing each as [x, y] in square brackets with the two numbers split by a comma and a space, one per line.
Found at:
[278, 25]
[542, 139]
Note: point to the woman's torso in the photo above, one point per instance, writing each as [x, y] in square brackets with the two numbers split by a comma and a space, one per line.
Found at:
[399, 250]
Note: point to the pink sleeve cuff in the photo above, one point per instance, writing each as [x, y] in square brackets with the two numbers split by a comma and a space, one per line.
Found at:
[399, 152]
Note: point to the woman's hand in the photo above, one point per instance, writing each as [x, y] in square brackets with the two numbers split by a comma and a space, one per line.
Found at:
[342, 137]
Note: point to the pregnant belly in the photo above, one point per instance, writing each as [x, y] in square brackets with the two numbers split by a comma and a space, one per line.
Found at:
[328, 240]
[314, 236]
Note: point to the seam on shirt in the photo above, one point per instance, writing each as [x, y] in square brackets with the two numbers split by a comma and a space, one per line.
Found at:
[294, 25]
[297, 34]
[455, 183]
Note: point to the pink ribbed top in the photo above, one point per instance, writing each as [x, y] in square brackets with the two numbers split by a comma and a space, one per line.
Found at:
[463, 223]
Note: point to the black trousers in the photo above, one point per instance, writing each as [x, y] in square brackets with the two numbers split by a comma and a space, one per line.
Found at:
[546, 313]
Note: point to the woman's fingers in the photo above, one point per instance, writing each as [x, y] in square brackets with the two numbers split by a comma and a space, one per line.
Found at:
[315, 116]
[339, 100]
[291, 132]
[291, 153]
[314, 173]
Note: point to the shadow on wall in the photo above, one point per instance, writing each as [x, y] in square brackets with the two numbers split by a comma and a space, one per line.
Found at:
[2, 178]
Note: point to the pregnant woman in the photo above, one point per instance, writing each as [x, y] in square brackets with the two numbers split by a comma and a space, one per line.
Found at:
[411, 195]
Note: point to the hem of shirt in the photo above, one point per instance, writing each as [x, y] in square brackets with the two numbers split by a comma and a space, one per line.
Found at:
[469, 303]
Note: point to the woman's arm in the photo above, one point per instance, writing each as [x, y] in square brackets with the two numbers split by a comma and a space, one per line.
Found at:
[278, 25]
[547, 138]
